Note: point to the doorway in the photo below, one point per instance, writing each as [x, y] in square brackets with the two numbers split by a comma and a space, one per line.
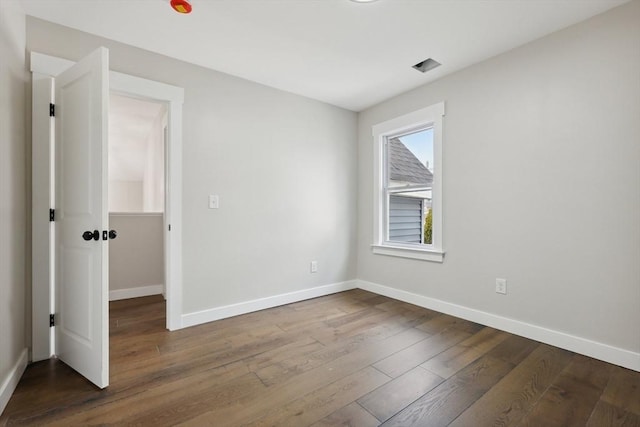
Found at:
[44, 69]
[136, 196]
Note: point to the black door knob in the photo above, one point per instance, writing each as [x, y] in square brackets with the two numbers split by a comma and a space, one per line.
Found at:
[113, 234]
[88, 235]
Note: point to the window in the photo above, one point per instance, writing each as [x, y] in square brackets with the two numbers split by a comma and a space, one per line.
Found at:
[408, 193]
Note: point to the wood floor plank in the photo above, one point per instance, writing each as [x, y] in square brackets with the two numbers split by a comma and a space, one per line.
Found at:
[302, 321]
[605, 414]
[194, 336]
[391, 398]
[246, 337]
[94, 403]
[331, 335]
[323, 401]
[267, 368]
[217, 351]
[295, 364]
[286, 369]
[571, 398]
[358, 294]
[349, 318]
[46, 387]
[460, 355]
[623, 390]
[407, 359]
[444, 403]
[178, 398]
[247, 409]
[444, 321]
[135, 303]
[299, 347]
[506, 403]
[398, 306]
[352, 415]
[514, 349]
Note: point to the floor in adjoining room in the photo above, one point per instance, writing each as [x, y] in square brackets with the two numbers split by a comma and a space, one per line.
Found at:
[348, 359]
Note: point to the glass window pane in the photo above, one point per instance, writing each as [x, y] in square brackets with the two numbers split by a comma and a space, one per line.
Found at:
[410, 159]
[410, 167]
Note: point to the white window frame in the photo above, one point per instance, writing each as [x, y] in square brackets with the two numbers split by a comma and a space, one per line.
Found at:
[429, 117]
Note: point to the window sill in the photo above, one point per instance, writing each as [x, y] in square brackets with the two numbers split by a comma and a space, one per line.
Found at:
[413, 253]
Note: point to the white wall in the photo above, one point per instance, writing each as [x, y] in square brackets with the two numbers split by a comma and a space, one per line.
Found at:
[13, 197]
[541, 184]
[153, 183]
[284, 167]
[125, 196]
[136, 255]
[147, 193]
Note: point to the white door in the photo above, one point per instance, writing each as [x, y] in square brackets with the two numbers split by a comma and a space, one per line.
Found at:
[82, 264]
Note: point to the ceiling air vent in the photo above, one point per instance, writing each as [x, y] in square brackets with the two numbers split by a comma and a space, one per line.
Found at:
[426, 65]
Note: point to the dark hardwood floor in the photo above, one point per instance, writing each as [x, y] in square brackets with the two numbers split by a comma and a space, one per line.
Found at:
[348, 359]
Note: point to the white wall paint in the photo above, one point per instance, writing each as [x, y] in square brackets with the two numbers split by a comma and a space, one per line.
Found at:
[154, 177]
[541, 185]
[131, 122]
[136, 256]
[13, 198]
[136, 155]
[284, 167]
[125, 196]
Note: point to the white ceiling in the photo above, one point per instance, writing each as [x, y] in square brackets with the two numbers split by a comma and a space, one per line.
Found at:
[130, 124]
[349, 54]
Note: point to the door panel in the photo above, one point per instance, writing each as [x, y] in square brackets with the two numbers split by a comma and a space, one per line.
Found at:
[82, 316]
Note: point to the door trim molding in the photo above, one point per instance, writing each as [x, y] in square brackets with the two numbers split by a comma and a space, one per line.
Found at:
[173, 97]
[41, 227]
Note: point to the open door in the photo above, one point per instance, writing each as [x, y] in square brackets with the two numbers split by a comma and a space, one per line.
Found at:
[82, 221]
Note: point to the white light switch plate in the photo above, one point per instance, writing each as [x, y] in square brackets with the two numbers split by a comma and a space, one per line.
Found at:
[214, 202]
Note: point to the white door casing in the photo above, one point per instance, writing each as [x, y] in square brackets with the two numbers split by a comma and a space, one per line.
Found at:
[42, 228]
[82, 266]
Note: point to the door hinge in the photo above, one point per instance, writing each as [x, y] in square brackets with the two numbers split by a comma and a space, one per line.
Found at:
[169, 227]
[52, 320]
[52, 110]
[52, 214]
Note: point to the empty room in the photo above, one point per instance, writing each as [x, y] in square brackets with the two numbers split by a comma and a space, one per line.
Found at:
[320, 212]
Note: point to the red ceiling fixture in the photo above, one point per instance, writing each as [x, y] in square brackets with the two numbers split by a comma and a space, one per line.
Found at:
[181, 6]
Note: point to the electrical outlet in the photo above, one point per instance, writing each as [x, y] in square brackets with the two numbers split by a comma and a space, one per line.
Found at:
[314, 266]
[501, 286]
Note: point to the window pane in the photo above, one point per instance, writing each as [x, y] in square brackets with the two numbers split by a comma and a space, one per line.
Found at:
[405, 219]
[410, 159]
[409, 182]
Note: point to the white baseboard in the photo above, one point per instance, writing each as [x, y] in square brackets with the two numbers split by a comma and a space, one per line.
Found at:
[217, 313]
[141, 291]
[597, 350]
[10, 382]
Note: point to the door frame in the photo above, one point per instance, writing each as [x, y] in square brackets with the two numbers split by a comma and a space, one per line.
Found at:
[43, 68]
